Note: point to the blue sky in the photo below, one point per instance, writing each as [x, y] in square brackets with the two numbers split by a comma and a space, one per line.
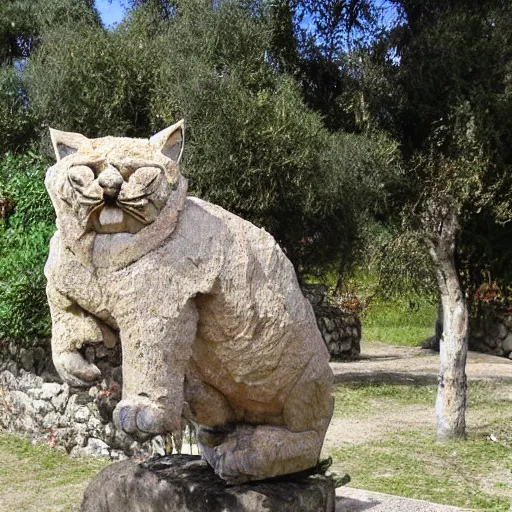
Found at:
[111, 12]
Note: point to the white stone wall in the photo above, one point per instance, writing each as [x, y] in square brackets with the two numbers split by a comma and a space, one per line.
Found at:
[48, 411]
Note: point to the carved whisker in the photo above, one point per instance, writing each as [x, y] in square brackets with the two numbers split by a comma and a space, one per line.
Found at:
[134, 213]
[133, 204]
[92, 198]
[146, 192]
[93, 209]
[136, 198]
[150, 182]
[89, 202]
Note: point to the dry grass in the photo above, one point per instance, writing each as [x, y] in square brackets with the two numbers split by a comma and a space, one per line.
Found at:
[37, 478]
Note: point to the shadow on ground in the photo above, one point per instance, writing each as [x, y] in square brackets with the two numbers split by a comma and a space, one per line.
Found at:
[385, 377]
[386, 364]
[354, 505]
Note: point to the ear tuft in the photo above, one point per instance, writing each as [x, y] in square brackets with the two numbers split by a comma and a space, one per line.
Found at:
[171, 141]
[66, 143]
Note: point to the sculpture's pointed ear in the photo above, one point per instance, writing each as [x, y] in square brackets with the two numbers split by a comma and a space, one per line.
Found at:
[66, 143]
[171, 141]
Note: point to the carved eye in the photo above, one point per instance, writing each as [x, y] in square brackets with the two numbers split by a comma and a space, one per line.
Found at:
[81, 175]
[145, 175]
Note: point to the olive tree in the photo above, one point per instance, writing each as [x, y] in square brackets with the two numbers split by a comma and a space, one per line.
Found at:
[443, 91]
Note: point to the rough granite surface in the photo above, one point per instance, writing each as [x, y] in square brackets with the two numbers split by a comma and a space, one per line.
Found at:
[187, 484]
[211, 320]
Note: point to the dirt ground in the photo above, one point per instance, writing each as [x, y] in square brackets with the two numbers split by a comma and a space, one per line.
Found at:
[382, 363]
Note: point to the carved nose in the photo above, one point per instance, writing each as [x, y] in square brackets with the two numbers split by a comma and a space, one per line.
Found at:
[111, 182]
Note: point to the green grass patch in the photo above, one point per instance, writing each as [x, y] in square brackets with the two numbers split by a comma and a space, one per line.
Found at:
[41, 478]
[399, 322]
[404, 321]
[413, 465]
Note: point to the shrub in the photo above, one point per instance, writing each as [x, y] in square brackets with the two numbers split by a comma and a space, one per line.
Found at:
[253, 146]
[88, 80]
[25, 231]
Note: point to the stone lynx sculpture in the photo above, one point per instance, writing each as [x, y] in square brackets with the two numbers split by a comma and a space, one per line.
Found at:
[212, 323]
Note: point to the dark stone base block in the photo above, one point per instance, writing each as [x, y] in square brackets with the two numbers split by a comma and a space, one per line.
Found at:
[185, 483]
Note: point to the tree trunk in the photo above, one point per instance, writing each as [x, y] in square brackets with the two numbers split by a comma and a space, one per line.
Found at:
[452, 381]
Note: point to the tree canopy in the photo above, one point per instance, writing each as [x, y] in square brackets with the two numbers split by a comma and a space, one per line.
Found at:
[445, 71]
[253, 145]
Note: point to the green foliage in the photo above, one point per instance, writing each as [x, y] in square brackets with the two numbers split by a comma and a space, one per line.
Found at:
[50, 14]
[254, 148]
[24, 239]
[337, 22]
[22, 25]
[438, 82]
[23, 21]
[22, 183]
[403, 321]
[92, 81]
[404, 267]
[252, 145]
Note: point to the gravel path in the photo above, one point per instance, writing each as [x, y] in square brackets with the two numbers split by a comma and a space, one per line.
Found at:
[357, 500]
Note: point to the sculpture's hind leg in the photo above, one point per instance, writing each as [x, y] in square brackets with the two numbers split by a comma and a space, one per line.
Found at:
[255, 452]
[258, 452]
[205, 405]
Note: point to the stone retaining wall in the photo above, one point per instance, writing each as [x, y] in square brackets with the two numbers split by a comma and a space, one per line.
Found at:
[489, 333]
[340, 330]
[34, 402]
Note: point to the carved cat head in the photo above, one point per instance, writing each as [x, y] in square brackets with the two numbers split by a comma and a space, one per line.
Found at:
[114, 184]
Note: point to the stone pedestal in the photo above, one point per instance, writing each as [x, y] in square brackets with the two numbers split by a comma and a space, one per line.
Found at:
[185, 483]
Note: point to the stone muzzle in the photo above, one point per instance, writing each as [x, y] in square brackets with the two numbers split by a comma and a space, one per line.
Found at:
[111, 182]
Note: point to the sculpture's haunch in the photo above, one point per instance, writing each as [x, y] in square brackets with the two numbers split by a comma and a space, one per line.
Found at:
[212, 322]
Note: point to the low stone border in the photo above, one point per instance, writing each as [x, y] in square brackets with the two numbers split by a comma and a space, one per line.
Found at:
[489, 333]
[492, 335]
[37, 404]
[340, 330]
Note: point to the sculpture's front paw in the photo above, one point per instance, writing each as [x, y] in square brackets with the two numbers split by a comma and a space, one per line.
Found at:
[140, 417]
[75, 370]
[231, 466]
